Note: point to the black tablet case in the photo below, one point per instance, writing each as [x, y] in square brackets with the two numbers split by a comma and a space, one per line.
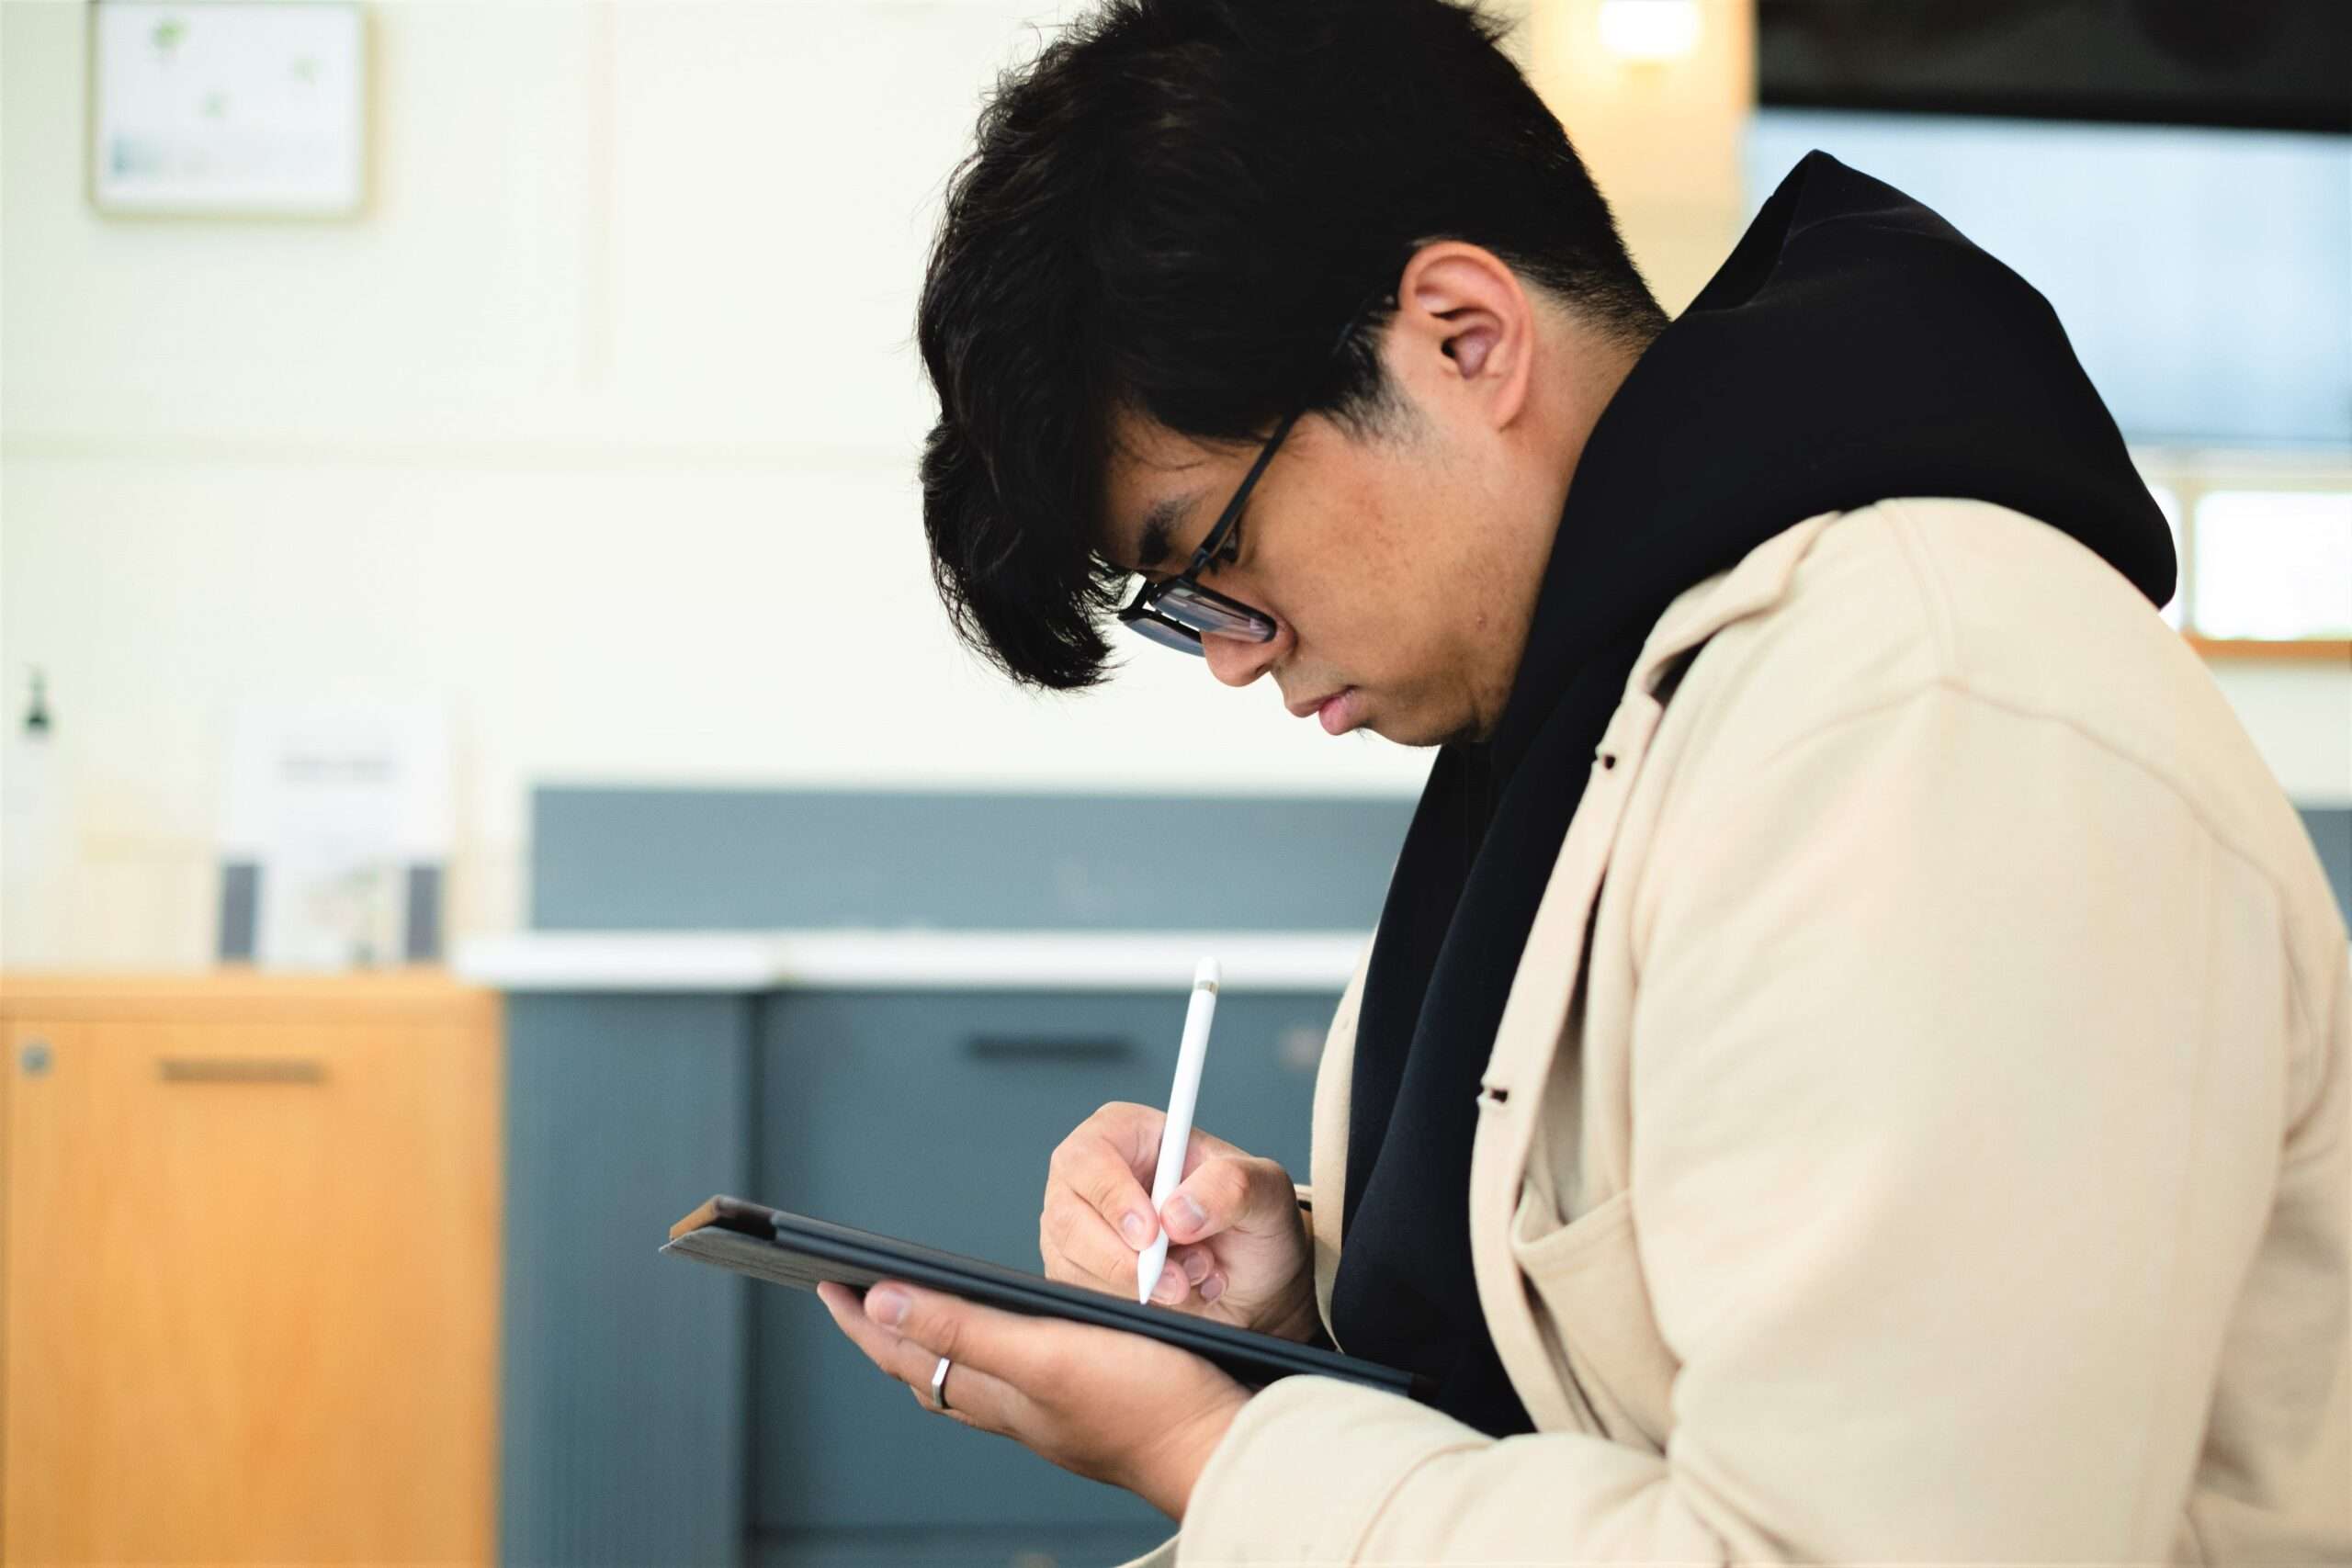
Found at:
[792, 1250]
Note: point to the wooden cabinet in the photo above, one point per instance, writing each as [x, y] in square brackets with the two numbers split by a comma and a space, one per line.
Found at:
[251, 1269]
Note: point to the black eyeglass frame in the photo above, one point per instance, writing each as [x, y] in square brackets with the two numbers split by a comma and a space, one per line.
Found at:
[1234, 618]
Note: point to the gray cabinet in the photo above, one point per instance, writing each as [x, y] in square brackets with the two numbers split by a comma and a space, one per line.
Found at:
[657, 1412]
[931, 1115]
[622, 1394]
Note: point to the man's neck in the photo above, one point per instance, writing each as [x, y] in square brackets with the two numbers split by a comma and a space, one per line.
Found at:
[1582, 371]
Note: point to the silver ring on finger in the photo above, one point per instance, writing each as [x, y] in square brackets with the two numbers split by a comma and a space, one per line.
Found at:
[939, 1385]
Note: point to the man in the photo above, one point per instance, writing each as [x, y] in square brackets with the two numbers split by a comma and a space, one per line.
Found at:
[1853, 1063]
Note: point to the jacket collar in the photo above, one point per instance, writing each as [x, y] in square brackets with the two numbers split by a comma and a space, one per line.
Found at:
[1756, 584]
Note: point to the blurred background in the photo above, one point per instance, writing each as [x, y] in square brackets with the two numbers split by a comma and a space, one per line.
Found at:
[484, 766]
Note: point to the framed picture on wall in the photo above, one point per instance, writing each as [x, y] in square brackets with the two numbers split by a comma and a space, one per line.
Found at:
[228, 107]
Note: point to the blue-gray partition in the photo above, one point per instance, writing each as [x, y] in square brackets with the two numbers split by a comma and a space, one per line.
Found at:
[757, 860]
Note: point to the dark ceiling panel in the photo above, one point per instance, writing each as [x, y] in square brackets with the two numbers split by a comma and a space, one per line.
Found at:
[2258, 64]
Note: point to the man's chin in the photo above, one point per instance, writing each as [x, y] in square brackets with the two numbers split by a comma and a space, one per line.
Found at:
[1457, 730]
[1406, 731]
[1407, 724]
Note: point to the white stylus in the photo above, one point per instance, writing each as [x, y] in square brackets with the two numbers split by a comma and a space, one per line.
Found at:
[1178, 1130]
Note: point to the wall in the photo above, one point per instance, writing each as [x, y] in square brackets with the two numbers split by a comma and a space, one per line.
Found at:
[597, 427]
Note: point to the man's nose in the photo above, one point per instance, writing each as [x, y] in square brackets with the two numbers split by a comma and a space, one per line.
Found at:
[1237, 661]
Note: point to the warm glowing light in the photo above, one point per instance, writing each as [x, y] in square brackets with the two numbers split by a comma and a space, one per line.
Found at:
[1649, 29]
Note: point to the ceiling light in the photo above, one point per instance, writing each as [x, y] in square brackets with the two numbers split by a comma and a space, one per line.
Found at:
[1649, 29]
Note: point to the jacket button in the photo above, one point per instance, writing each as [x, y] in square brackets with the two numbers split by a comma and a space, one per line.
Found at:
[1608, 759]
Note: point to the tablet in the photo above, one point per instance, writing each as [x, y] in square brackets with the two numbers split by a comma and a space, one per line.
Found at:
[792, 1250]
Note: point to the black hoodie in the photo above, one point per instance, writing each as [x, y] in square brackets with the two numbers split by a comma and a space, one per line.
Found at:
[1855, 348]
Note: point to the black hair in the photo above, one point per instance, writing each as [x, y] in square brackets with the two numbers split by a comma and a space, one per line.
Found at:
[1171, 211]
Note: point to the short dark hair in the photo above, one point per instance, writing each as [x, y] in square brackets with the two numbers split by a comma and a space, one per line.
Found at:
[1171, 211]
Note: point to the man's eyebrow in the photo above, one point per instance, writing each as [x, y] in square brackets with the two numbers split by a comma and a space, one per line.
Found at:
[1160, 520]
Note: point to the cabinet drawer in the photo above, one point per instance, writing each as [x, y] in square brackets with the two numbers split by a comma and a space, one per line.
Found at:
[932, 1116]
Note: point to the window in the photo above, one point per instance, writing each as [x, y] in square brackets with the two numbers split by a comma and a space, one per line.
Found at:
[2265, 544]
[2274, 566]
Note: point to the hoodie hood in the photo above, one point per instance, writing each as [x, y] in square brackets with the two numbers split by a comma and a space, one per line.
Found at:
[1855, 348]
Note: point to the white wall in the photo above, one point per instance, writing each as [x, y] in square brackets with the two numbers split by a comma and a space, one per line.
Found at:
[598, 425]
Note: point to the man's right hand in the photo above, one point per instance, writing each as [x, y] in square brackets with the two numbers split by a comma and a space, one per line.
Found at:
[1244, 1260]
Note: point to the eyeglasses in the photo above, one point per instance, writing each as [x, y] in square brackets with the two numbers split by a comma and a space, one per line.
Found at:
[1177, 611]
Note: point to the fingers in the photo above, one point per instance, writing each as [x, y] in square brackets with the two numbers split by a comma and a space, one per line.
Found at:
[934, 1326]
[1094, 1164]
[1110, 1156]
[1229, 1192]
[1186, 1270]
[1079, 1247]
[897, 1356]
[1098, 1214]
[1200, 1273]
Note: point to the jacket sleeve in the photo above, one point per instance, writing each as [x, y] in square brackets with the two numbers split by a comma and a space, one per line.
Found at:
[1957, 1110]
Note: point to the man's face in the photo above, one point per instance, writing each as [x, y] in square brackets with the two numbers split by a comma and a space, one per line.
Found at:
[1393, 609]
[1400, 566]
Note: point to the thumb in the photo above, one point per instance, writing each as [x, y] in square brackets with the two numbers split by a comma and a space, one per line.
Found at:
[1228, 1193]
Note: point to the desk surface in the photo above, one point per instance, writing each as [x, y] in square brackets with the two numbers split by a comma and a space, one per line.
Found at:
[904, 960]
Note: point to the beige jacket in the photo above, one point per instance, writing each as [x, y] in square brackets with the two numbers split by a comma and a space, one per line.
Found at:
[1919, 1130]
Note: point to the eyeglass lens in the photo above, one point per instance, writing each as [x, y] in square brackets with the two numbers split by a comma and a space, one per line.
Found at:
[1208, 614]
[1166, 636]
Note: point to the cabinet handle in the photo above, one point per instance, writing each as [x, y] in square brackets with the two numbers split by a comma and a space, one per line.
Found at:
[1000, 1048]
[241, 1069]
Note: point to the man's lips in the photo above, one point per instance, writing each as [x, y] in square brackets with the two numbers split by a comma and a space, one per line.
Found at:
[1306, 709]
[1334, 710]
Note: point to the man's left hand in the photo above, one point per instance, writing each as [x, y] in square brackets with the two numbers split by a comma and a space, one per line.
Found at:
[1111, 1406]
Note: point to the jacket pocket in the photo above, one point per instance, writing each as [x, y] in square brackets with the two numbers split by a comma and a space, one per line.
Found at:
[1588, 1276]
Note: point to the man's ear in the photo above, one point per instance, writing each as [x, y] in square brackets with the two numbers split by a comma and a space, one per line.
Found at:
[1464, 326]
